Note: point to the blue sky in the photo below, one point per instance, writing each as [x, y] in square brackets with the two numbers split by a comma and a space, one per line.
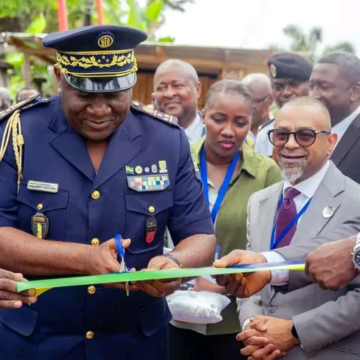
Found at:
[258, 23]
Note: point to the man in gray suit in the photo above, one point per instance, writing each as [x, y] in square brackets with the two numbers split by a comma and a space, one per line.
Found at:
[305, 312]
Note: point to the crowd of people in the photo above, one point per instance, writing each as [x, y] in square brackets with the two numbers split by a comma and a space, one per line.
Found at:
[225, 185]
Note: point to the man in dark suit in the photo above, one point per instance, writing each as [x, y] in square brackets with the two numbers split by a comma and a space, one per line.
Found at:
[335, 80]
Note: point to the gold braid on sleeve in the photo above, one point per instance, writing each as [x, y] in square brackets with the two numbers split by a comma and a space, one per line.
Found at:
[13, 130]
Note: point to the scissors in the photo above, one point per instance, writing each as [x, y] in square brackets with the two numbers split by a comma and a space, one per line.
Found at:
[121, 252]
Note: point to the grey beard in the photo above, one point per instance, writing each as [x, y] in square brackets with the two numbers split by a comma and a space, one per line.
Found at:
[292, 176]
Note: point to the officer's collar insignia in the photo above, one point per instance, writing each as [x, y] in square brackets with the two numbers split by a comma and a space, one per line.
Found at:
[273, 70]
[40, 225]
[146, 183]
[43, 186]
[105, 40]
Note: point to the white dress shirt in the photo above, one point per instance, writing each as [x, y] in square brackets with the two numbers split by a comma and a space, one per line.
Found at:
[263, 145]
[195, 131]
[343, 125]
[307, 189]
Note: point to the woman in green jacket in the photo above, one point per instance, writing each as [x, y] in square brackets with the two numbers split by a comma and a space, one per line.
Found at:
[231, 172]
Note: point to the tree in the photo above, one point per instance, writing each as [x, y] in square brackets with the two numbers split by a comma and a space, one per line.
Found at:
[38, 16]
[311, 42]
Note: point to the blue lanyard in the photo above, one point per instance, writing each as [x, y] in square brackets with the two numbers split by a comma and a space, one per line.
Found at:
[275, 242]
[224, 185]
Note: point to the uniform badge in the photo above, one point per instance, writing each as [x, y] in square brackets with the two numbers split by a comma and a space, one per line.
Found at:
[147, 183]
[162, 167]
[43, 186]
[106, 40]
[151, 225]
[273, 70]
[328, 212]
[40, 225]
[147, 170]
[129, 170]
[138, 169]
[154, 169]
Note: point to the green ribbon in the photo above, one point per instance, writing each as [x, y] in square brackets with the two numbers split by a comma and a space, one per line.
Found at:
[43, 285]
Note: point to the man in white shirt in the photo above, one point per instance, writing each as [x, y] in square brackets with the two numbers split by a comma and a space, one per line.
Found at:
[289, 74]
[335, 81]
[176, 92]
[322, 199]
[259, 86]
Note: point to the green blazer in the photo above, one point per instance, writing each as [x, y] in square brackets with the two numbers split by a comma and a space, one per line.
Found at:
[256, 172]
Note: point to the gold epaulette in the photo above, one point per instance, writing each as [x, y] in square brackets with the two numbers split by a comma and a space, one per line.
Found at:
[19, 106]
[156, 114]
[12, 135]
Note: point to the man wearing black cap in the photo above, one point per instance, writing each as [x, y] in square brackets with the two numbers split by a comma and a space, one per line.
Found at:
[289, 74]
[77, 169]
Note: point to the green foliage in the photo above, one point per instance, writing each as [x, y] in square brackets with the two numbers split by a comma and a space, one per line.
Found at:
[311, 43]
[37, 26]
[43, 14]
[153, 10]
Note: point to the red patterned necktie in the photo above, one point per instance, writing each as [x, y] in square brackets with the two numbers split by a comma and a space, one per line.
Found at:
[286, 214]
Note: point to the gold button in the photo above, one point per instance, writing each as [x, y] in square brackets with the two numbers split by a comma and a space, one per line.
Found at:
[39, 206]
[91, 290]
[95, 194]
[151, 209]
[89, 335]
[95, 242]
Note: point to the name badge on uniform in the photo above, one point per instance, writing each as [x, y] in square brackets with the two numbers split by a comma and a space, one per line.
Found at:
[43, 186]
[148, 182]
[40, 225]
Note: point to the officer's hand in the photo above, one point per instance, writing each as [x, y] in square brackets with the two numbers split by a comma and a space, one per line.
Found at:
[8, 296]
[103, 259]
[106, 262]
[330, 265]
[246, 284]
[159, 288]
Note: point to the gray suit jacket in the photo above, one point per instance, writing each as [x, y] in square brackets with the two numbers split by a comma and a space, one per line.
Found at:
[325, 320]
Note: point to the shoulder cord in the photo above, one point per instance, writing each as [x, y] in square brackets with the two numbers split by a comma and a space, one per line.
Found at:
[13, 128]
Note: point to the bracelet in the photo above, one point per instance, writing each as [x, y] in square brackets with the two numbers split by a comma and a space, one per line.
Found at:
[173, 258]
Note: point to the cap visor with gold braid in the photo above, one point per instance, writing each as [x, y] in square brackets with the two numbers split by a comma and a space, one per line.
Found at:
[97, 58]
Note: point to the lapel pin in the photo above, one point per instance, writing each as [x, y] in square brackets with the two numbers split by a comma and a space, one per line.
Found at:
[328, 212]
[138, 169]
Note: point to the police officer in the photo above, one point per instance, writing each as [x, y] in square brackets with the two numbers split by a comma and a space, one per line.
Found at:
[77, 169]
[289, 75]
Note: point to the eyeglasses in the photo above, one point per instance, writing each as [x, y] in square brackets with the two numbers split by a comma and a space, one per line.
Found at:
[257, 102]
[304, 137]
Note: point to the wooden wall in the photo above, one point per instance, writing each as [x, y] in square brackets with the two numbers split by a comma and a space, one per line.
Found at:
[144, 87]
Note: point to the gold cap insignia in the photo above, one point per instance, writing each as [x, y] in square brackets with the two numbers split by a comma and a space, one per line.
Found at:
[273, 70]
[105, 41]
